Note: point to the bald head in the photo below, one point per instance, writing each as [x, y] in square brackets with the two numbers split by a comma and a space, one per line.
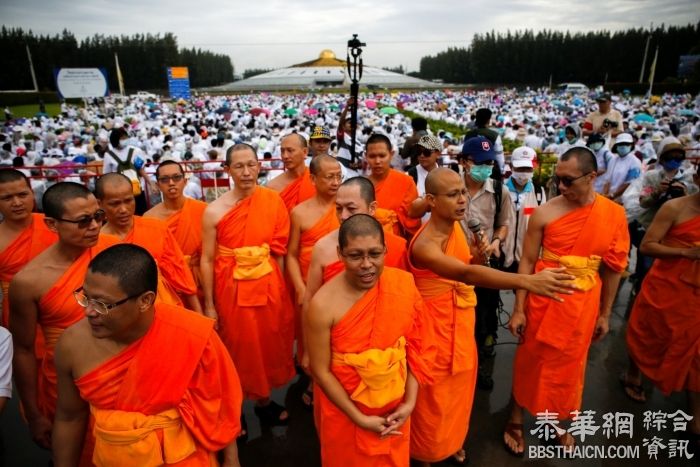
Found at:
[113, 179]
[359, 225]
[13, 175]
[56, 197]
[365, 186]
[584, 157]
[319, 162]
[297, 138]
[439, 178]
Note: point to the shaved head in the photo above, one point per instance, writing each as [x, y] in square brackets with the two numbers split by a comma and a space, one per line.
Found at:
[318, 161]
[438, 178]
[12, 175]
[110, 179]
[299, 138]
[56, 197]
[366, 188]
[584, 157]
[359, 225]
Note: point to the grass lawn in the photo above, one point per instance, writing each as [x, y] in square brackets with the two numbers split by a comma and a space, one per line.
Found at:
[29, 111]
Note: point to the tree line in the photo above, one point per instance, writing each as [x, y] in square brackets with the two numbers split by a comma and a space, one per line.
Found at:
[528, 57]
[143, 59]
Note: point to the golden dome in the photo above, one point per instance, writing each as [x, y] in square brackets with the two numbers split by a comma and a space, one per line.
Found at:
[326, 53]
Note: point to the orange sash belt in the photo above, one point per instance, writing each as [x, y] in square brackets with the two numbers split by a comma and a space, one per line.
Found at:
[387, 217]
[252, 269]
[131, 438]
[584, 269]
[383, 374]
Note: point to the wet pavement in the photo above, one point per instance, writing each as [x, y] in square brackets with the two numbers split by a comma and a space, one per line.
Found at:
[297, 444]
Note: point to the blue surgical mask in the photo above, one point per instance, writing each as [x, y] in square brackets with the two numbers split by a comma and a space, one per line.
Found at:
[671, 165]
[623, 149]
[480, 173]
[595, 147]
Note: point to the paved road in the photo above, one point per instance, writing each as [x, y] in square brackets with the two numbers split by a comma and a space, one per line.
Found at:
[297, 445]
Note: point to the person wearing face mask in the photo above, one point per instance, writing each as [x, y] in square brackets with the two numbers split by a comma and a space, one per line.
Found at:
[603, 156]
[526, 197]
[488, 202]
[130, 161]
[668, 180]
[622, 169]
[572, 137]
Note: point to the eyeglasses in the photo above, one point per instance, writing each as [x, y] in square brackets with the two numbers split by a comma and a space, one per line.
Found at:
[84, 222]
[101, 308]
[175, 178]
[358, 257]
[567, 181]
[331, 178]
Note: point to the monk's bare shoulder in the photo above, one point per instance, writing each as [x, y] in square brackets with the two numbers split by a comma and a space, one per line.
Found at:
[218, 208]
[326, 247]
[279, 183]
[157, 211]
[549, 211]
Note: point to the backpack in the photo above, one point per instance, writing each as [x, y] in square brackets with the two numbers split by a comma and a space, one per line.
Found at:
[128, 169]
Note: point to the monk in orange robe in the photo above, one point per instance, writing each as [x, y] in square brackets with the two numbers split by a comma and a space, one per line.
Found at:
[42, 293]
[158, 382]
[370, 349]
[23, 234]
[245, 234]
[663, 334]
[177, 286]
[182, 215]
[294, 185]
[587, 234]
[355, 196]
[439, 257]
[395, 191]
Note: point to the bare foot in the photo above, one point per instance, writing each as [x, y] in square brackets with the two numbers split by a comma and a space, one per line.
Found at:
[514, 439]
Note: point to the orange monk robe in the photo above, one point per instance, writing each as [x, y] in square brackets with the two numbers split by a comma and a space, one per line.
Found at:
[178, 373]
[29, 243]
[396, 193]
[58, 310]
[299, 190]
[663, 334]
[443, 408]
[550, 364]
[174, 275]
[186, 227]
[327, 223]
[391, 310]
[256, 316]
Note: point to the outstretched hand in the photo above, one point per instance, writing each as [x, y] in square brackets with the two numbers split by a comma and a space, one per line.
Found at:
[552, 281]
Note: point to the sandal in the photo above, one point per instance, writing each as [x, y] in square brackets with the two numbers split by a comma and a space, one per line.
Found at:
[270, 414]
[512, 430]
[452, 460]
[307, 399]
[634, 392]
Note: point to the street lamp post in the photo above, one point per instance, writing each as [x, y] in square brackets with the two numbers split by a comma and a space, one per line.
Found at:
[355, 75]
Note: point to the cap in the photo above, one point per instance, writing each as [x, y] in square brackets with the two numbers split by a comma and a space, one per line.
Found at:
[320, 132]
[676, 147]
[595, 138]
[430, 142]
[623, 138]
[479, 148]
[602, 97]
[523, 157]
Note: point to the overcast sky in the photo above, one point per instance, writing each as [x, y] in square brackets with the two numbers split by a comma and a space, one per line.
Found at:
[278, 33]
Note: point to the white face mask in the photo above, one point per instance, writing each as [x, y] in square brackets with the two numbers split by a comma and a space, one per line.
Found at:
[521, 178]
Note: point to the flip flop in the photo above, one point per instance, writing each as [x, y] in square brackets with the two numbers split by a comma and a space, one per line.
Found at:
[634, 392]
[512, 431]
[270, 414]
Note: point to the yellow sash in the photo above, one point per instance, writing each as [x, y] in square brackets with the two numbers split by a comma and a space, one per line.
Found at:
[252, 262]
[382, 372]
[584, 269]
[130, 438]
